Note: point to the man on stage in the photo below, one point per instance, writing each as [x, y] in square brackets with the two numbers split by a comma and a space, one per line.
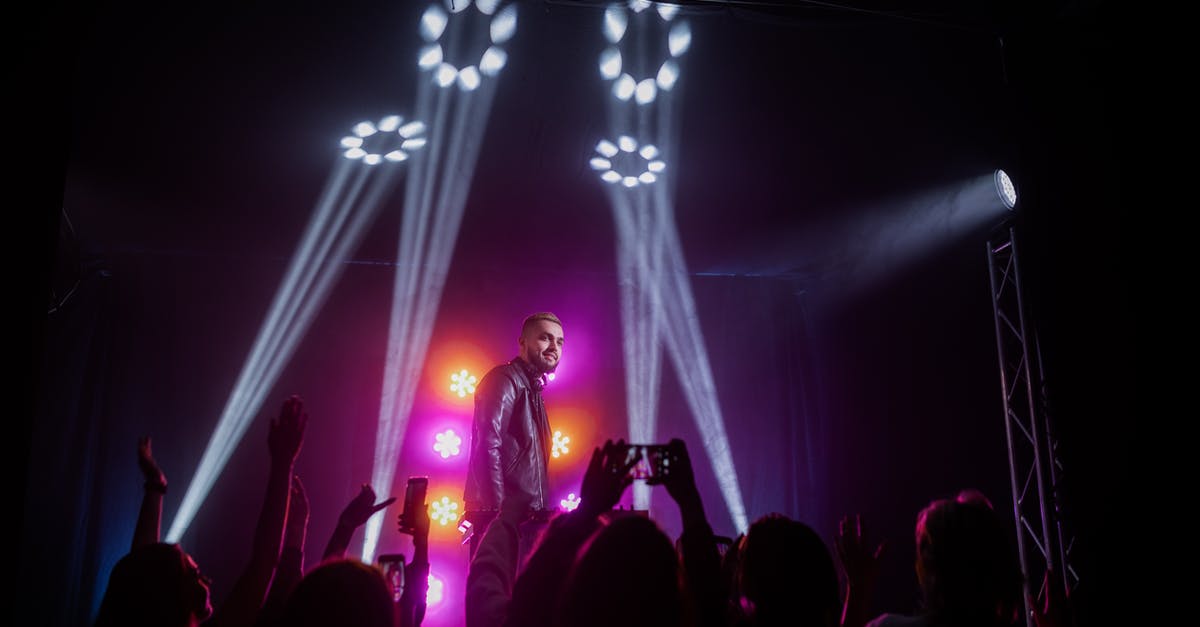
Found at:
[510, 437]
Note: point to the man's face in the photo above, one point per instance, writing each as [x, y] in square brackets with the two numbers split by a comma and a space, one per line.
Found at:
[542, 345]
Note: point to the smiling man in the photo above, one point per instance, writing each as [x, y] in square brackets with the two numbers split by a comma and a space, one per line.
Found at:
[510, 437]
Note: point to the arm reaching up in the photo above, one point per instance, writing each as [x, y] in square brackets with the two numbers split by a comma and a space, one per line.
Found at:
[698, 546]
[149, 521]
[291, 560]
[416, 573]
[284, 440]
[355, 515]
[861, 567]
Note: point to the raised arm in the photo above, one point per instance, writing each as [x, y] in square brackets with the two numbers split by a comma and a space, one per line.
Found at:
[354, 515]
[149, 522]
[284, 440]
[411, 609]
[291, 559]
[861, 567]
[698, 545]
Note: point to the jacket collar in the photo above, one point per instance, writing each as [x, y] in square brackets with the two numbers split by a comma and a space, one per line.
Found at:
[536, 379]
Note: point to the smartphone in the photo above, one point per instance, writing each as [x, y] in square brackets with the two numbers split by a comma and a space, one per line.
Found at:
[414, 503]
[392, 565]
[651, 462]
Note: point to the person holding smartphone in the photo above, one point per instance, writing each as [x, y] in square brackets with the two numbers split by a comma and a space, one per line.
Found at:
[510, 435]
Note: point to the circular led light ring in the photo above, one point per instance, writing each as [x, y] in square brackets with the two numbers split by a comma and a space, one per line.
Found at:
[431, 58]
[625, 86]
[410, 138]
[606, 151]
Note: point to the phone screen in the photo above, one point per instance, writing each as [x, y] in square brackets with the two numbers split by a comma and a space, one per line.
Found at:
[414, 500]
[392, 565]
[643, 464]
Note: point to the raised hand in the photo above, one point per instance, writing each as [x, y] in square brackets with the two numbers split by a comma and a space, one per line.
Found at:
[362, 507]
[606, 478]
[860, 564]
[148, 528]
[287, 431]
[678, 477]
[150, 470]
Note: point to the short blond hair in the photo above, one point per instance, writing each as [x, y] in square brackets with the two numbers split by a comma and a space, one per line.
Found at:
[533, 319]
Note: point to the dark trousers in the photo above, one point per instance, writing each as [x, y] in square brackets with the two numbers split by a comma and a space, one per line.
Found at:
[527, 533]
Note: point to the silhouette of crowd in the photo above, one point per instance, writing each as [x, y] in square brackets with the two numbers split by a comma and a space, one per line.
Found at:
[592, 566]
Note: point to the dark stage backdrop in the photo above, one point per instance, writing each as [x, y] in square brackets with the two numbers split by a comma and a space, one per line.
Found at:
[196, 146]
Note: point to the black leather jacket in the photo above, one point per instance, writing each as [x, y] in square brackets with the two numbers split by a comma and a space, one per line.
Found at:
[510, 439]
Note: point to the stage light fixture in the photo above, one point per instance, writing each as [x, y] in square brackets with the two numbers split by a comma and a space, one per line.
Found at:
[447, 443]
[667, 11]
[560, 446]
[444, 511]
[462, 383]
[610, 63]
[626, 162]
[614, 24]
[373, 143]
[625, 86]
[1006, 189]
[433, 25]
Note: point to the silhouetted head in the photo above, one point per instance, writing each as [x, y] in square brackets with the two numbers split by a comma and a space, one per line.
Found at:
[340, 592]
[157, 584]
[627, 574]
[968, 570]
[785, 574]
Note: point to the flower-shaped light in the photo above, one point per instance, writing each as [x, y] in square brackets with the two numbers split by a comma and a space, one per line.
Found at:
[560, 445]
[462, 383]
[626, 162]
[433, 25]
[645, 89]
[569, 503]
[445, 511]
[447, 443]
[389, 140]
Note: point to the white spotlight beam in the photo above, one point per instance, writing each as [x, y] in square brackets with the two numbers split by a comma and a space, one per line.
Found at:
[640, 317]
[685, 345]
[400, 375]
[433, 216]
[305, 287]
[657, 302]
